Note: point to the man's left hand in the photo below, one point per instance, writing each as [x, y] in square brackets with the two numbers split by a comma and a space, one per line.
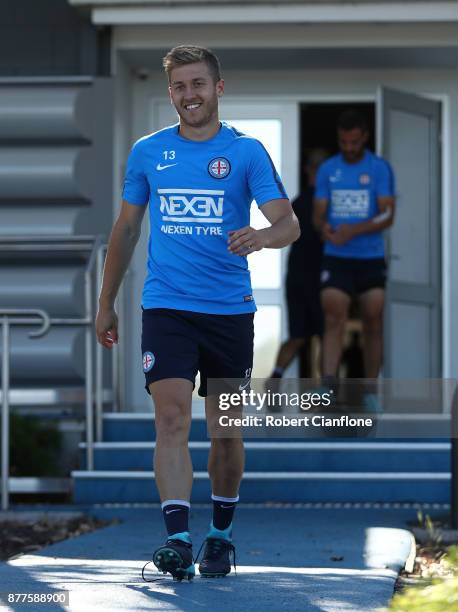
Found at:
[245, 241]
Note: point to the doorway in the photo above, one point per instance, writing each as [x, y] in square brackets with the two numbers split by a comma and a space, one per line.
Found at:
[318, 131]
[408, 129]
[318, 126]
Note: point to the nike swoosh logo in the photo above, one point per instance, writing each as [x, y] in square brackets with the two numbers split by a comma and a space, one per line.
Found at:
[160, 167]
[227, 506]
[242, 387]
[170, 511]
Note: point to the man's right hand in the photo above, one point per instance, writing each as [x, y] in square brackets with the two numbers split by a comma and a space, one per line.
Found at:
[106, 327]
[327, 232]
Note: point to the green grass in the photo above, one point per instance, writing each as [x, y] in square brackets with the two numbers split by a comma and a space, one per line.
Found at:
[435, 595]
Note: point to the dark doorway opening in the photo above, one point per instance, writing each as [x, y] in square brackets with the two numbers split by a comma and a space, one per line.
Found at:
[318, 127]
[318, 130]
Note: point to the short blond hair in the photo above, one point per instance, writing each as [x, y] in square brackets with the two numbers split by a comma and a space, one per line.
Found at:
[190, 54]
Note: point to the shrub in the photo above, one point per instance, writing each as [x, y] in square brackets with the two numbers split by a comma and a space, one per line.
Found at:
[34, 447]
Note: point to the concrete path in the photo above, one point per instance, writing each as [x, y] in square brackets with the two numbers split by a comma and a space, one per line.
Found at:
[291, 558]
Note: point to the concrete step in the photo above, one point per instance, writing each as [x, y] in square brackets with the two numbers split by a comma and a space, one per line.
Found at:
[289, 456]
[139, 427]
[389, 470]
[132, 427]
[396, 487]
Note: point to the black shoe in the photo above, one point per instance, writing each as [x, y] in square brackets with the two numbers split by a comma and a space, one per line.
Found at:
[176, 558]
[216, 560]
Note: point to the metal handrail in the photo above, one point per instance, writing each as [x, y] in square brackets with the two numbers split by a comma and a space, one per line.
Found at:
[116, 366]
[89, 367]
[94, 245]
[13, 316]
[99, 358]
[40, 238]
[100, 260]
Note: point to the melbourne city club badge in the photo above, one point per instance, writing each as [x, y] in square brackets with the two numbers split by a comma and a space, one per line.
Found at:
[148, 361]
[219, 167]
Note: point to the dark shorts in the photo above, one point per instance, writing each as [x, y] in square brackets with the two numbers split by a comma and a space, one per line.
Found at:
[305, 317]
[351, 275]
[178, 343]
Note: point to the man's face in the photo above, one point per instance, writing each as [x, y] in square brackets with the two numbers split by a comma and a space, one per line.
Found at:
[352, 143]
[194, 94]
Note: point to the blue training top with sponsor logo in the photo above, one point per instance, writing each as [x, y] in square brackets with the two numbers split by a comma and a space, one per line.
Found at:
[352, 191]
[197, 192]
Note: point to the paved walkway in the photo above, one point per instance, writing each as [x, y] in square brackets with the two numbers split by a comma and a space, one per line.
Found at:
[306, 559]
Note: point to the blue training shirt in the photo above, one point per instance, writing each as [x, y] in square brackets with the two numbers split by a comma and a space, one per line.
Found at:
[197, 192]
[352, 191]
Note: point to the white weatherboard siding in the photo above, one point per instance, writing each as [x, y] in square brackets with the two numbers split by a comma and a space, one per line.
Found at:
[133, 3]
[111, 13]
[294, 35]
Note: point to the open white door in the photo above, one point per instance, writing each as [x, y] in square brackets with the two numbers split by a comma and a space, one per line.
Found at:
[275, 125]
[409, 137]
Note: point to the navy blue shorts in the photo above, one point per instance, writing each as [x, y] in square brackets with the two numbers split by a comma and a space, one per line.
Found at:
[352, 275]
[178, 343]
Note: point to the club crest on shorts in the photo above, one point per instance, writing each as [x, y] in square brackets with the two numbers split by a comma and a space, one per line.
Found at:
[219, 167]
[148, 361]
[246, 381]
[325, 276]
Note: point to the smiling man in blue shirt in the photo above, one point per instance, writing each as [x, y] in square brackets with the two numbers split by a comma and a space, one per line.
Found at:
[198, 178]
[354, 203]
